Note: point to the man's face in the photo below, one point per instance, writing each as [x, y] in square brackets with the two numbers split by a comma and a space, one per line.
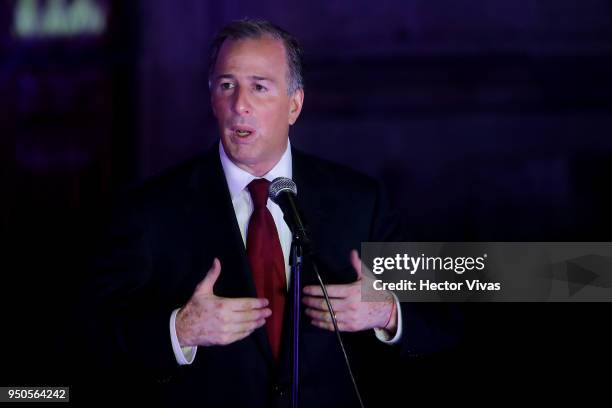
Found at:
[251, 103]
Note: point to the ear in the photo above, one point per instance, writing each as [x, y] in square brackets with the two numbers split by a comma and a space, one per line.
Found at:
[295, 105]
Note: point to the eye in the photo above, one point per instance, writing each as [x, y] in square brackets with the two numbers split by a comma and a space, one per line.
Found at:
[226, 85]
[260, 88]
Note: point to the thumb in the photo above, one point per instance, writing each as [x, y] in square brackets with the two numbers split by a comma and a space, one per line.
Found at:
[207, 284]
[356, 262]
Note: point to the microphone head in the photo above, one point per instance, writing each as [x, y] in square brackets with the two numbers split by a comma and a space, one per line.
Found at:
[281, 185]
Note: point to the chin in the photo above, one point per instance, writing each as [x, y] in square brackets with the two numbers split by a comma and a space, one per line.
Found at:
[245, 156]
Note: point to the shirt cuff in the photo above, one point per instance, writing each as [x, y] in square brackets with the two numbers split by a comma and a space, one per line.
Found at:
[183, 355]
[383, 335]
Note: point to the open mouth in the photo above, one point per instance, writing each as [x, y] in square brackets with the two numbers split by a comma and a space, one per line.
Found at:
[242, 133]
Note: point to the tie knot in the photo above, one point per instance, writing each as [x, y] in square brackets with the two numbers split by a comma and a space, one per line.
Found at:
[259, 192]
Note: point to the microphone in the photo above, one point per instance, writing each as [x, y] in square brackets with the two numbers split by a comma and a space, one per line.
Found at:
[283, 192]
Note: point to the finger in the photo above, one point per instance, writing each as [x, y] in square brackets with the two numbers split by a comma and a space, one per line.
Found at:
[250, 315]
[342, 326]
[245, 326]
[233, 337]
[207, 284]
[323, 316]
[356, 262]
[319, 303]
[243, 334]
[327, 325]
[336, 291]
[246, 304]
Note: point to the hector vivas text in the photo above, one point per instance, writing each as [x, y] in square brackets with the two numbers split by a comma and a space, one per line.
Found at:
[412, 265]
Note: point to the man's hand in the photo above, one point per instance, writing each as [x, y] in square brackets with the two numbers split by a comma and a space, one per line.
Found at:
[352, 314]
[208, 320]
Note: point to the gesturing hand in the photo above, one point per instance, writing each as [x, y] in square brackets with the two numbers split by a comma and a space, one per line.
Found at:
[352, 314]
[208, 319]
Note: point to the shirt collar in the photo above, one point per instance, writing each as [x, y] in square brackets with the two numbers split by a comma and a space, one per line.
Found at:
[237, 179]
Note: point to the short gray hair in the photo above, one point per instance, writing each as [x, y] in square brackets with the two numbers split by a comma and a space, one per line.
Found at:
[249, 29]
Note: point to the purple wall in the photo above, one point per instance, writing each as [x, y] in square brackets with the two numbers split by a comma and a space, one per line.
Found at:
[486, 120]
[469, 113]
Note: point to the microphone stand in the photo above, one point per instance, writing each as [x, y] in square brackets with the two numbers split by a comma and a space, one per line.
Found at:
[296, 257]
[301, 246]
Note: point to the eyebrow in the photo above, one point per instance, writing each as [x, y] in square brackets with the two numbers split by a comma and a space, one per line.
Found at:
[260, 78]
[255, 77]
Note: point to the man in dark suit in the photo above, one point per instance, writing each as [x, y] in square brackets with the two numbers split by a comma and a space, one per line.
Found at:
[192, 291]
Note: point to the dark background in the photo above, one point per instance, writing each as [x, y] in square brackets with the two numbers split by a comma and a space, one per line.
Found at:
[486, 120]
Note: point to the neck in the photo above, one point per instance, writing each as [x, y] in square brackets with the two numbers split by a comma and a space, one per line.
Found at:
[258, 170]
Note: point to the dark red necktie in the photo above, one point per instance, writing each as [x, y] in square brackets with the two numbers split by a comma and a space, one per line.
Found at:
[267, 261]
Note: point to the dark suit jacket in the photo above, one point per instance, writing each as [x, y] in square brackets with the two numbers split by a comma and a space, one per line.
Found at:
[162, 243]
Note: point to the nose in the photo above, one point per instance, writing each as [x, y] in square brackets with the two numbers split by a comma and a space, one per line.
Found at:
[242, 104]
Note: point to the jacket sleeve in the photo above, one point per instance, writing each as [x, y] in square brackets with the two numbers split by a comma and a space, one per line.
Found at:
[427, 328]
[126, 323]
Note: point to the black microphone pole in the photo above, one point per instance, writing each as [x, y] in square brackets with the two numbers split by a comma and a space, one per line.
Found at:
[296, 279]
[282, 191]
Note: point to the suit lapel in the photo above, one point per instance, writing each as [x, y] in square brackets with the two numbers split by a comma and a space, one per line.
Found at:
[313, 201]
[216, 232]
[314, 217]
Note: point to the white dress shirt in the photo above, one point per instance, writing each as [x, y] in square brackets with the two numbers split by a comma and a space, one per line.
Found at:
[237, 182]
